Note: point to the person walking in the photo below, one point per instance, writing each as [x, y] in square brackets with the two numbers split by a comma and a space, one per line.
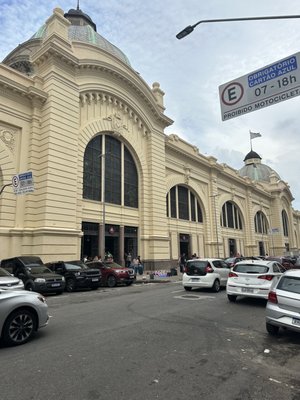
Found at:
[182, 262]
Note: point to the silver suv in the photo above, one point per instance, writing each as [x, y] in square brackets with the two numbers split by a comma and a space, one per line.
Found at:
[205, 273]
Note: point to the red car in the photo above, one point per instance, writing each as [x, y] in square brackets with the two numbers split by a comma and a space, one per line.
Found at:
[113, 273]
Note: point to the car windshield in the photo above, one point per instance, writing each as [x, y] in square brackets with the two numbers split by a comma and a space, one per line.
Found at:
[3, 272]
[78, 263]
[251, 268]
[73, 267]
[38, 270]
[112, 265]
[229, 260]
[289, 284]
[31, 261]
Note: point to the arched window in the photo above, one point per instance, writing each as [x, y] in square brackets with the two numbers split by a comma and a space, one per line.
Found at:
[231, 216]
[182, 204]
[260, 223]
[285, 223]
[121, 177]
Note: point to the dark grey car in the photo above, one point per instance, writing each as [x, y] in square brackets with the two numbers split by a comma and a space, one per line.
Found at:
[34, 274]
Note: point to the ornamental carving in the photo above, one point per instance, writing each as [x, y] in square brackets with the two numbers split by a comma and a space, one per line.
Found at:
[8, 138]
[117, 123]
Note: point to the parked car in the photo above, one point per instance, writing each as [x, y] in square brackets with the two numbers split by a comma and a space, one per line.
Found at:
[286, 262]
[34, 274]
[77, 275]
[113, 273]
[283, 307]
[231, 261]
[252, 278]
[205, 273]
[21, 314]
[10, 282]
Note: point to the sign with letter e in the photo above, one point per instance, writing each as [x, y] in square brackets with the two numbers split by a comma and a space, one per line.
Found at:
[262, 88]
[23, 183]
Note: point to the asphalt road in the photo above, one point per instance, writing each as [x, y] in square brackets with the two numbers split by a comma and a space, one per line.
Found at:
[152, 341]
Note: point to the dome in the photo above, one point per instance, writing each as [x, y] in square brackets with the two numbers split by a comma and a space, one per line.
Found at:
[256, 170]
[86, 34]
[82, 29]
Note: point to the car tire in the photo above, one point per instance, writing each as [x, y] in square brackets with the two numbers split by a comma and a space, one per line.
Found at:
[272, 329]
[111, 281]
[187, 288]
[19, 327]
[231, 297]
[216, 286]
[70, 285]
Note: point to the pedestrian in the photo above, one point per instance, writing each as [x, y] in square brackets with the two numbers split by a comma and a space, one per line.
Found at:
[140, 266]
[135, 264]
[128, 260]
[182, 262]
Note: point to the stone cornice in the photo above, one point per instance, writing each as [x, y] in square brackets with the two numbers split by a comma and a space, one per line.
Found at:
[22, 85]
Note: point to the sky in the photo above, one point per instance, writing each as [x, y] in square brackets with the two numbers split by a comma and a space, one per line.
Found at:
[191, 70]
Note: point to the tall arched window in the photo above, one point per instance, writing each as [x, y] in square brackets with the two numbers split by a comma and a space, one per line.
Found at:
[285, 223]
[121, 177]
[231, 216]
[260, 223]
[182, 204]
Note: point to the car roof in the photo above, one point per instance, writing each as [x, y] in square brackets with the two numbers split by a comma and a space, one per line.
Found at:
[292, 272]
[205, 259]
[256, 262]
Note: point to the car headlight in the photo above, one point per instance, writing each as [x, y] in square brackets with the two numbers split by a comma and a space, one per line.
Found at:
[77, 274]
[42, 298]
[63, 278]
[40, 280]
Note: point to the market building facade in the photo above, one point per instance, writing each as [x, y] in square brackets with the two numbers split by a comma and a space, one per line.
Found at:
[106, 176]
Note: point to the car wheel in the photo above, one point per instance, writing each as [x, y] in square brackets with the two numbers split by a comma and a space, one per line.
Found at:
[70, 285]
[231, 297]
[216, 286]
[111, 281]
[19, 327]
[187, 288]
[272, 329]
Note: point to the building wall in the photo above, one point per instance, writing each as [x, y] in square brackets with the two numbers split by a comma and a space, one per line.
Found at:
[47, 120]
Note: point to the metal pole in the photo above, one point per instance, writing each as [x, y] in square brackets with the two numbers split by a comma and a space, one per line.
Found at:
[216, 223]
[103, 209]
[189, 29]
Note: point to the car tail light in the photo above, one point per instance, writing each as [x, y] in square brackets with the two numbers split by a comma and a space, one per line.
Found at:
[266, 277]
[272, 297]
[208, 269]
[185, 270]
[232, 275]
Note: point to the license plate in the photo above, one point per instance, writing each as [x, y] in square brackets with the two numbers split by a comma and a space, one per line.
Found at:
[247, 290]
[55, 284]
[296, 321]
[195, 279]
[95, 279]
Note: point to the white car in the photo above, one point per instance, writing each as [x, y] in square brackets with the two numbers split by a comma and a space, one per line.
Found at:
[283, 307]
[205, 273]
[252, 278]
[22, 313]
[10, 282]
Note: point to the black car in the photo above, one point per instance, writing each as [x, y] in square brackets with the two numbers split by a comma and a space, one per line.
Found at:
[76, 274]
[34, 274]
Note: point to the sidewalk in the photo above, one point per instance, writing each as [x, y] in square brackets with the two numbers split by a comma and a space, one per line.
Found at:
[152, 277]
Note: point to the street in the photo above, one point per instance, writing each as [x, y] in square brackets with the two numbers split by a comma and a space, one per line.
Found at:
[153, 341]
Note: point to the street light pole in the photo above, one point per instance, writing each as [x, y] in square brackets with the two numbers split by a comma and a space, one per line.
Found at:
[102, 241]
[216, 223]
[189, 29]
